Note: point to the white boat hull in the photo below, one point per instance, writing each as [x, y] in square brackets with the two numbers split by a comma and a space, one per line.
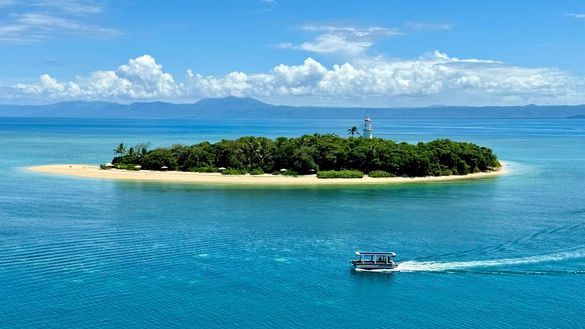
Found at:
[369, 267]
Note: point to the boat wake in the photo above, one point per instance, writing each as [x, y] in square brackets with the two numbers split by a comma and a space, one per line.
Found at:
[480, 265]
[563, 233]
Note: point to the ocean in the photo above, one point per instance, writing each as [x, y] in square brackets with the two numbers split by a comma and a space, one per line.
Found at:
[503, 252]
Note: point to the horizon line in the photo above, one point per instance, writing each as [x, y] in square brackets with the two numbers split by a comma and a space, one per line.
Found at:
[116, 102]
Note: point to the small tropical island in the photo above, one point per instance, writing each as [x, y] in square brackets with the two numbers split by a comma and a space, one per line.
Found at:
[327, 156]
[324, 159]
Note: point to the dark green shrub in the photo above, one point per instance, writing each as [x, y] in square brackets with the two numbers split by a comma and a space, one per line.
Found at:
[127, 166]
[257, 171]
[204, 169]
[290, 173]
[276, 172]
[340, 174]
[234, 172]
[379, 174]
[158, 158]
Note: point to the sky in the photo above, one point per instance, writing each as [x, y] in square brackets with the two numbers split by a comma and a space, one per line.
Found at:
[294, 52]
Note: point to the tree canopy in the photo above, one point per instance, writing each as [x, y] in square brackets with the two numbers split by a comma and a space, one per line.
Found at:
[314, 153]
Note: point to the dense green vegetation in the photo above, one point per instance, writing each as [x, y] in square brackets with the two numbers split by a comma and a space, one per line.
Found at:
[379, 174]
[340, 174]
[313, 153]
[234, 172]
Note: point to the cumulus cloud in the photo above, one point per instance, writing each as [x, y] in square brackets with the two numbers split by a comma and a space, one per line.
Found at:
[429, 79]
[345, 40]
[140, 78]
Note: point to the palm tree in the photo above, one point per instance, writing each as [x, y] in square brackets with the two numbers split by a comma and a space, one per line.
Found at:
[255, 151]
[120, 150]
[353, 131]
[142, 149]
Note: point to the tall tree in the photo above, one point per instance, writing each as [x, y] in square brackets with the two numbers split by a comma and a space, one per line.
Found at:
[120, 150]
[353, 131]
[142, 149]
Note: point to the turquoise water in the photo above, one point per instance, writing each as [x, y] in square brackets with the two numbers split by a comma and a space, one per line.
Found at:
[504, 252]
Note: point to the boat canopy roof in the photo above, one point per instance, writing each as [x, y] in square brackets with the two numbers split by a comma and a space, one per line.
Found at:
[376, 253]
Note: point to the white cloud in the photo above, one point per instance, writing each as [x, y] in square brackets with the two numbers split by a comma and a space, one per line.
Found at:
[434, 78]
[345, 40]
[428, 25]
[140, 78]
[40, 20]
[6, 3]
[332, 44]
[371, 31]
[147, 78]
[574, 15]
[76, 7]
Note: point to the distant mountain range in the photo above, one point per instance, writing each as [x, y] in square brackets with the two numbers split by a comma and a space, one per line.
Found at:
[233, 107]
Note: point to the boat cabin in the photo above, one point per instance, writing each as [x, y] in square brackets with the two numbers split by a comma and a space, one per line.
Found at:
[374, 260]
[375, 257]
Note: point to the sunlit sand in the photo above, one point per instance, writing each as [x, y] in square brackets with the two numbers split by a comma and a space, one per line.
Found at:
[90, 171]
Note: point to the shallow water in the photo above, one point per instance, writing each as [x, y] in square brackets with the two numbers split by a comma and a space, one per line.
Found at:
[501, 252]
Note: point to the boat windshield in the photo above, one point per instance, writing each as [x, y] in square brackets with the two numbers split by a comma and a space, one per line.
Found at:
[375, 257]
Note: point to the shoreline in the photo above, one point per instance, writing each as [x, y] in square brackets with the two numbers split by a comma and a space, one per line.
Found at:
[91, 171]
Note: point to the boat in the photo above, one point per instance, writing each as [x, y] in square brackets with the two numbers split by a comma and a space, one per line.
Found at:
[368, 261]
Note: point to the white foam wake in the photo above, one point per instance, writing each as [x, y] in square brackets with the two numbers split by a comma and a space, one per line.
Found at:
[431, 266]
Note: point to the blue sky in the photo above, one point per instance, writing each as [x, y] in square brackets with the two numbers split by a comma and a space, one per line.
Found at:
[348, 53]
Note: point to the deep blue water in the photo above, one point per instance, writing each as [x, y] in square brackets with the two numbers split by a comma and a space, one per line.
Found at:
[506, 252]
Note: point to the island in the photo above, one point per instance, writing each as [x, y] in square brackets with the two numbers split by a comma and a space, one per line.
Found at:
[317, 159]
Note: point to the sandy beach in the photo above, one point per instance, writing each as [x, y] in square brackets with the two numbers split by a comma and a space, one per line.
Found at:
[91, 171]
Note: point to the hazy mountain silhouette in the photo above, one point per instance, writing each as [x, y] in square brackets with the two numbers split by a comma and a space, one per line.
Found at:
[250, 108]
